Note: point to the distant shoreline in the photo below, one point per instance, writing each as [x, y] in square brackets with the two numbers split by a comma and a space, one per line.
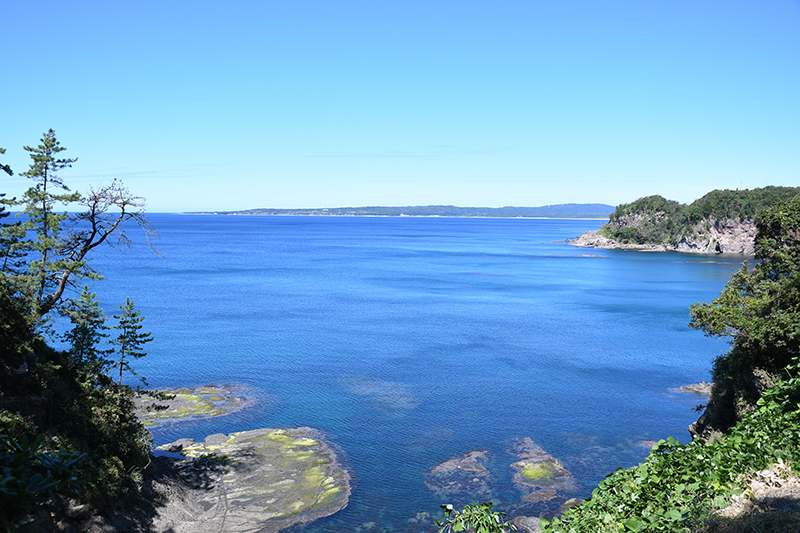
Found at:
[566, 211]
[381, 216]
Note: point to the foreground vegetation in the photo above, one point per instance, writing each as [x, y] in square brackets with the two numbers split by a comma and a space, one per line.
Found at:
[68, 429]
[654, 220]
[679, 487]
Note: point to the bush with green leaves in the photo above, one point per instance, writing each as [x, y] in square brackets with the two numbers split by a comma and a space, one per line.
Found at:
[477, 517]
[32, 476]
[678, 485]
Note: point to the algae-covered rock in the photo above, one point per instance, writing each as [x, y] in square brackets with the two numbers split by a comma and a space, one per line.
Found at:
[264, 480]
[187, 403]
[538, 474]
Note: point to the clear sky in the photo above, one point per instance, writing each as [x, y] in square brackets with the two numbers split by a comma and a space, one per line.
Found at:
[244, 104]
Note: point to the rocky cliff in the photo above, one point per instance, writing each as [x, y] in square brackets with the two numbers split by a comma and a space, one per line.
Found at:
[732, 237]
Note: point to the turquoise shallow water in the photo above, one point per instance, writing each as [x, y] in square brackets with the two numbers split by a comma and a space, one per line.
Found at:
[411, 340]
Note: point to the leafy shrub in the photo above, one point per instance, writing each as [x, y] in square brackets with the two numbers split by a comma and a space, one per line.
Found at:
[477, 517]
[31, 478]
[673, 490]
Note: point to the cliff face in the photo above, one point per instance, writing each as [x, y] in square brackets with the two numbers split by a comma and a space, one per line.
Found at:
[721, 237]
[731, 237]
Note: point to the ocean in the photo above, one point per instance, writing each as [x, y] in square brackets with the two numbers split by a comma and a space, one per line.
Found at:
[409, 341]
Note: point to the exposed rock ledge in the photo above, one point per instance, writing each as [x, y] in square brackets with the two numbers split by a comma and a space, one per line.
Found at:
[265, 480]
[191, 403]
[728, 237]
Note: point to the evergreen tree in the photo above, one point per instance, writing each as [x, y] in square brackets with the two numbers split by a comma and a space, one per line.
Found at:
[88, 331]
[130, 340]
[12, 257]
[40, 202]
[5, 168]
[57, 254]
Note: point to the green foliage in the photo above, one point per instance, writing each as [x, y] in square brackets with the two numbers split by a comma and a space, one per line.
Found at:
[737, 204]
[51, 248]
[656, 220]
[476, 517]
[678, 485]
[88, 330]
[648, 220]
[83, 412]
[31, 478]
[131, 339]
[5, 168]
[16, 333]
[759, 310]
[67, 396]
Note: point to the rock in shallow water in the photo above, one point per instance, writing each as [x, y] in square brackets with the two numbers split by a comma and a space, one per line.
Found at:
[463, 478]
[187, 403]
[263, 480]
[539, 474]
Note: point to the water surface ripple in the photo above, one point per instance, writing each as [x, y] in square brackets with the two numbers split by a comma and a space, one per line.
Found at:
[411, 340]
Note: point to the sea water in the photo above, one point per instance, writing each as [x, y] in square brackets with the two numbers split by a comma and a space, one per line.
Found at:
[409, 341]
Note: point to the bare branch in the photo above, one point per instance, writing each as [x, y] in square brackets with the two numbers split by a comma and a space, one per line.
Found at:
[108, 210]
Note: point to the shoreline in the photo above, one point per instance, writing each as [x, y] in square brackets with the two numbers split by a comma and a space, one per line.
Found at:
[332, 215]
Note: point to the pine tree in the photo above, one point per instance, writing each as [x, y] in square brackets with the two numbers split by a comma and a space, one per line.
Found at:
[87, 333]
[40, 203]
[56, 255]
[5, 168]
[130, 340]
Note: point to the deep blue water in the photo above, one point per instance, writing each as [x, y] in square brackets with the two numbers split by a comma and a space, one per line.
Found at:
[411, 340]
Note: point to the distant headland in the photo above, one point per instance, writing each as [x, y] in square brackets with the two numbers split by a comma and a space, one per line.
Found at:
[600, 211]
[721, 222]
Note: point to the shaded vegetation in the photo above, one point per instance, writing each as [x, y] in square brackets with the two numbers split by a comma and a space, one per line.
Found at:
[86, 440]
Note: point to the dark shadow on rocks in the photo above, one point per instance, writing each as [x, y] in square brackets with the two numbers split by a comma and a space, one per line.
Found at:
[136, 513]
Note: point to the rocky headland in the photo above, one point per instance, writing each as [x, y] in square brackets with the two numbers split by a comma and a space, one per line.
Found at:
[729, 237]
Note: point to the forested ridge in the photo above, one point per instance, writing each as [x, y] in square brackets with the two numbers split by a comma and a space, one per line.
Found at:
[655, 220]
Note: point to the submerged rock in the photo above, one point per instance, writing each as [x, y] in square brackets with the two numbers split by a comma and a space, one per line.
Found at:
[540, 476]
[463, 478]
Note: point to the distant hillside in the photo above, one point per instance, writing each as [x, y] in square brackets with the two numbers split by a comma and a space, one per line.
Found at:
[722, 221]
[546, 211]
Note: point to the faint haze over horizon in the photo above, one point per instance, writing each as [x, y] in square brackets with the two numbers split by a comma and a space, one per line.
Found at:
[211, 107]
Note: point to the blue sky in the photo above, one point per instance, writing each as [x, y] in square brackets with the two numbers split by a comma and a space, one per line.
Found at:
[211, 106]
